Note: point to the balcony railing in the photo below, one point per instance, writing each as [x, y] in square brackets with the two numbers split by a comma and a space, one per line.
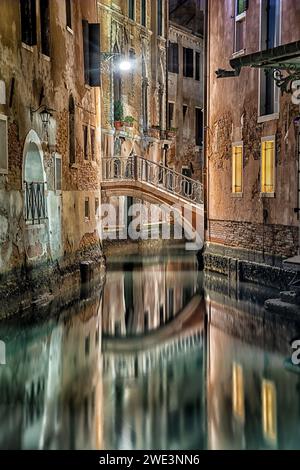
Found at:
[35, 203]
[135, 168]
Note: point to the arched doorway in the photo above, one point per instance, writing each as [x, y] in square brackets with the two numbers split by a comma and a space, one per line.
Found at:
[34, 180]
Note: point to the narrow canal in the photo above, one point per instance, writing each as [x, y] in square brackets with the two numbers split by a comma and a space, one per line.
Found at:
[162, 357]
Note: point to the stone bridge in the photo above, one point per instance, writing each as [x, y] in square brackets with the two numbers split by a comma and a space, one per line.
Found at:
[151, 182]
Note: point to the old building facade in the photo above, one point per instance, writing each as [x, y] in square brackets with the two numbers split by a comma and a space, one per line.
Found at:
[252, 138]
[185, 88]
[50, 134]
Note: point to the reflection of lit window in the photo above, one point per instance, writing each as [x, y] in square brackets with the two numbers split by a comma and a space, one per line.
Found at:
[269, 404]
[238, 395]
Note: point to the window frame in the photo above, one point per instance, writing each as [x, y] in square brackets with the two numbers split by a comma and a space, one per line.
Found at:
[235, 193]
[4, 171]
[57, 156]
[239, 18]
[185, 62]
[133, 18]
[270, 194]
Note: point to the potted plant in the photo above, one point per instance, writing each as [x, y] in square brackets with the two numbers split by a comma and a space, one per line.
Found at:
[118, 114]
[128, 121]
[172, 132]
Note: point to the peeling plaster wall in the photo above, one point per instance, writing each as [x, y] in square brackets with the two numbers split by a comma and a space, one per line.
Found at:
[28, 79]
[233, 117]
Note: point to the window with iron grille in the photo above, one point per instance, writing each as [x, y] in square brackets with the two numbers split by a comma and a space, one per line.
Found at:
[35, 203]
[28, 22]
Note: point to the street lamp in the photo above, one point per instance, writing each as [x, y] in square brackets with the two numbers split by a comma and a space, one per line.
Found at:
[124, 65]
[45, 115]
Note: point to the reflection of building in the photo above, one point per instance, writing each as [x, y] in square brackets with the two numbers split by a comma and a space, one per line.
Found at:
[50, 131]
[252, 400]
[51, 388]
[157, 391]
[142, 298]
[185, 93]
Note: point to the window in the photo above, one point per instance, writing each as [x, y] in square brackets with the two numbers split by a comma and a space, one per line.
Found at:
[3, 145]
[87, 208]
[69, 14]
[93, 144]
[58, 173]
[184, 111]
[238, 393]
[173, 58]
[269, 411]
[237, 168]
[85, 142]
[170, 302]
[199, 127]
[45, 27]
[97, 205]
[240, 25]
[91, 53]
[131, 9]
[198, 66]
[144, 12]
[188, 62]
[72, 147]
[268, 166]
[171, 116]
[159, 18]
[28, 22]
[270, 38]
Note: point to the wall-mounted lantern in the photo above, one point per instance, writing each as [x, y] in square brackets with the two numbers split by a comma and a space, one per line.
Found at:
[45, 115]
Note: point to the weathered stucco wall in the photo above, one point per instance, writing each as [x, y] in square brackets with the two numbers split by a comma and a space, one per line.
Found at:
[233, 117]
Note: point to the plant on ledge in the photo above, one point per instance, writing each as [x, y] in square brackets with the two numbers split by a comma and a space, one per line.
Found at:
[118, 114]
[129, 120]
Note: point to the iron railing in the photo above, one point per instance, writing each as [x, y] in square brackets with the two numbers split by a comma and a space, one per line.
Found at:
[35, 203]
[135, 168]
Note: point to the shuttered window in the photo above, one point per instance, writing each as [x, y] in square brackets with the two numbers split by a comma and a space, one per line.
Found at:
[269, 411]
[173, 58]
[268, 167]
[237, 169]
[91, 53]
[28, 22]
[188, 62]
[45, 27]
[3, 145]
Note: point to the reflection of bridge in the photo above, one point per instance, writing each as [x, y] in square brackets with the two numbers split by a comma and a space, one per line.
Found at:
[135, 356]
[154, 183]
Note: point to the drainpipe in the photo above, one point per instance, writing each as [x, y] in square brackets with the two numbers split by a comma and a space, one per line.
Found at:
[167, 74]
[206, 119]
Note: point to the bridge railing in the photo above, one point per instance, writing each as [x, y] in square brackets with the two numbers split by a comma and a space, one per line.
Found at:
[135, 168]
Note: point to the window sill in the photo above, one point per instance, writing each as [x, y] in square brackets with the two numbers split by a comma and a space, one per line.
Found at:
[268, 195]
[268, 117]
[241, 16]
[3, 172]
[237, 195]
[238, 53]
[87, 220]
[70, 30]
[27, 47]
[74, 166]
[46, 57]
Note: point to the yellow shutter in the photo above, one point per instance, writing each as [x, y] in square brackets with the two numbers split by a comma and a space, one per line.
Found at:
[238, 394]
[269, 411]
[268, 167]
[237, 169]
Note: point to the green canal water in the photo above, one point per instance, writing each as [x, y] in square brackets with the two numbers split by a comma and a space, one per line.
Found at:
[161, 357]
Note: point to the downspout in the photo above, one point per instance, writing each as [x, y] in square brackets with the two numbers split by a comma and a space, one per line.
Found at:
[167, 76]
[206, 121]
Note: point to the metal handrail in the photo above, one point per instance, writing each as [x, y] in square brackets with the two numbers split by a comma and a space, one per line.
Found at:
[136, 168]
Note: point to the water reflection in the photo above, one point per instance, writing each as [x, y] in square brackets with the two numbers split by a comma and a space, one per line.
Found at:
[152, 362]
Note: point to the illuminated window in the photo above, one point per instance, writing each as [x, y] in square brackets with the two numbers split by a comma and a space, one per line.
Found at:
[237, 169]
[269, 411]
[268, 166]
[238, 394]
